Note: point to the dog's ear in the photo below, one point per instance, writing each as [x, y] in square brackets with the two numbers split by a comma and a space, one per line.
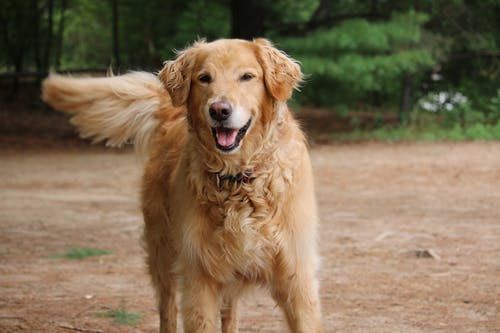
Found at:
[176, 78]
[176, 74]
[282, 74]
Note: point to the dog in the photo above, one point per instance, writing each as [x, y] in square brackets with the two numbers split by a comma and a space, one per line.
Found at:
[227, 192]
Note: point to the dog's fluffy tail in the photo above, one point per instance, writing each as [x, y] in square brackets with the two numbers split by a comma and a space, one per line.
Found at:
[117, 109]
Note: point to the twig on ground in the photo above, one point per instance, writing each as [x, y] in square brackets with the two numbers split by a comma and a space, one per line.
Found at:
[78, 329]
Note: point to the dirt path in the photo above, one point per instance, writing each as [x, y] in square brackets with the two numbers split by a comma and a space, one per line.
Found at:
[384, 210]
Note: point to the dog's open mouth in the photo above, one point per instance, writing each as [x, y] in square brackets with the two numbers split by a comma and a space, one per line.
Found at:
[227, 139]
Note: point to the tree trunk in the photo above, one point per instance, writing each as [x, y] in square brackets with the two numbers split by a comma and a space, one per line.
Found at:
[36, 32]
[116, 47]
[322, 14]
[246, 19]
[405, 106]
[60, 35]
[374, 7]
[48, 41]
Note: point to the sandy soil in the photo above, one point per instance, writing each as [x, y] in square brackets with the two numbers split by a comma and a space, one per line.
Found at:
[410, 240]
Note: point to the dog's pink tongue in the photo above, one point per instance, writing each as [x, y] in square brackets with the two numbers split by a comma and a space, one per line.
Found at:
[226, 136]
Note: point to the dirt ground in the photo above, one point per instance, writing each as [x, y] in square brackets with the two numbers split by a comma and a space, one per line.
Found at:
[410, 240]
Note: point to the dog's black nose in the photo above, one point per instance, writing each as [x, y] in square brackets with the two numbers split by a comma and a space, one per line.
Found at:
[220, 110]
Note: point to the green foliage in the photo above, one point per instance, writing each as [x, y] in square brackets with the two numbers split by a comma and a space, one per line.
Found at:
[347, 63]
[162, 27]
[368, 73]
[16, 36]
[360, 36]
[293, 11]
[122, 317]
[356, 54]
[87, 34]
[450, 110]
[477, 132]
[493, 109]
[80, 253]
[193, 23]
[439, 116]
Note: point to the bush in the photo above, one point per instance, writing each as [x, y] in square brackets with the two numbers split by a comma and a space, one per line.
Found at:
[493, 109]
[359, 60]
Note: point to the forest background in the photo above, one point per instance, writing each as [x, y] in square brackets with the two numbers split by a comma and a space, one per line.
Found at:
[385, 69]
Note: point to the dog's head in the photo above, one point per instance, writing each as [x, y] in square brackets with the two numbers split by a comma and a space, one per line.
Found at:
[230, 88]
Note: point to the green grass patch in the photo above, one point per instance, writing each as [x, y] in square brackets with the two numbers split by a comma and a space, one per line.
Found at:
[5, 252]
[121, 316]
[476, 132]
[80, 253]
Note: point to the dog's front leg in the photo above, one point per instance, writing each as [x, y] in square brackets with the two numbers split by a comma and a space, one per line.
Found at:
[297, 294]
[229, 315]
[200, 304]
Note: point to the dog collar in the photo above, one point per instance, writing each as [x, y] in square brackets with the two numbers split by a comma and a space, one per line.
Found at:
[244, 177]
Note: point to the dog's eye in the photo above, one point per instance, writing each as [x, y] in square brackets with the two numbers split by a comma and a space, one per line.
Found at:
[246, 77]
[205, 78]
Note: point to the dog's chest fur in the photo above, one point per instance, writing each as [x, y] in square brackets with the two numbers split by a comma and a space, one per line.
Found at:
[241, 236]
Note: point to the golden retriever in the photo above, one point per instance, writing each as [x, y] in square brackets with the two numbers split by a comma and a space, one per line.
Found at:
[227, 191]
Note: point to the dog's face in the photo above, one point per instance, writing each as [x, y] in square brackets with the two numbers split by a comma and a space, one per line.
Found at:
[230, 88]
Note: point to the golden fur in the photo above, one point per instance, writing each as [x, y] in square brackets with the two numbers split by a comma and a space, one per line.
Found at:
[207, 233]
